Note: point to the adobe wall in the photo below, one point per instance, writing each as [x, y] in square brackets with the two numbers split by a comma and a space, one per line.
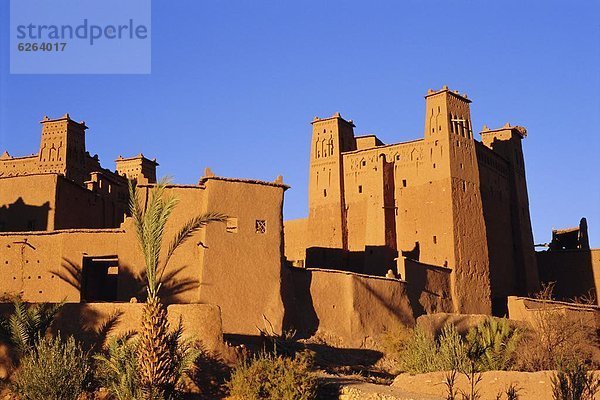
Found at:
[16, 166]
[428, 286]
[495, 196]
[32, 261]
[345, 308]
[528, 310]
[82, 320]
[294, 234]
[50, 201]
[78, 207]
[576, 272]
[27, 202]
[242, 268]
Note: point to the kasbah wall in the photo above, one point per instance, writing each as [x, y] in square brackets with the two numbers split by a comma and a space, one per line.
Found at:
[439, 224]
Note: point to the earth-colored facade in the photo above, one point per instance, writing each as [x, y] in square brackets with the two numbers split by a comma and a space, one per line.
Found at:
[439, 224]
[446, 200]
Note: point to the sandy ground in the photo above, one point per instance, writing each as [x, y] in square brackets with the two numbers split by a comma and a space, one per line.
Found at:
[532, 385]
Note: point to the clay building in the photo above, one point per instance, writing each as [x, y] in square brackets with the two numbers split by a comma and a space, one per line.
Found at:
[438, 224]
[447, 201]
[64, 233]
[570, 265]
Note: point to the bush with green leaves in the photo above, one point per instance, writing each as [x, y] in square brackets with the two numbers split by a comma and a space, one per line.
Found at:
[269, 376]
[27, 324]
[424, 353]
[53, 370]
[116, 368]
[500, 342]
[574, 382]
[497, 340]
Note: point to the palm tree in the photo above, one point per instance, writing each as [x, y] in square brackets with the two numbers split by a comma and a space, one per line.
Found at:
[158, 370]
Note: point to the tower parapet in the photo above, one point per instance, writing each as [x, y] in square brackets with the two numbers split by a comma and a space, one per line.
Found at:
[138, 168]
[62, 148]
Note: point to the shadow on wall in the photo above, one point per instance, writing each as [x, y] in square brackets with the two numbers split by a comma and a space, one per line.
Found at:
[428, 287]
[299, 310]
[127, 285]
[574, 273]
[374, 260]
[22, 217]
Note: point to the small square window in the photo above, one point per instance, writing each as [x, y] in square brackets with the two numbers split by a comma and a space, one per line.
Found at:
[363, 163]
[231, 225]
[261, 226]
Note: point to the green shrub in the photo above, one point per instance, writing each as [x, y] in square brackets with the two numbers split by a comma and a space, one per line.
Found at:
[420, 354]
[499, 341]
[423, 353]
[452, 350]
[54, 370]
[574, 382]
[117, 368]
[268, 376]
[29, 322]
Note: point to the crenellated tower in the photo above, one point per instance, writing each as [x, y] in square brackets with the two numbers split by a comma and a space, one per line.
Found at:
[62, 148]
[327, 230]
[448, 126]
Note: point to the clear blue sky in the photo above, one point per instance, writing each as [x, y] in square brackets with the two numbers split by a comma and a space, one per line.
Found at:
[235, 84]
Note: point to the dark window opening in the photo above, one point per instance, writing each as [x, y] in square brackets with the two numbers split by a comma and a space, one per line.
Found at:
[434, 239]
[359, 188]
[403, 182]
[99, 277]
[324, 192]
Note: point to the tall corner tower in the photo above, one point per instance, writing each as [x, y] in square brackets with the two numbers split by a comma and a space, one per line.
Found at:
[507, 142]
[62, 148]
[326, 219]
[448, 120]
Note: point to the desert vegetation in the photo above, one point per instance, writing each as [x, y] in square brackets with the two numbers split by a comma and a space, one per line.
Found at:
[555, 340]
